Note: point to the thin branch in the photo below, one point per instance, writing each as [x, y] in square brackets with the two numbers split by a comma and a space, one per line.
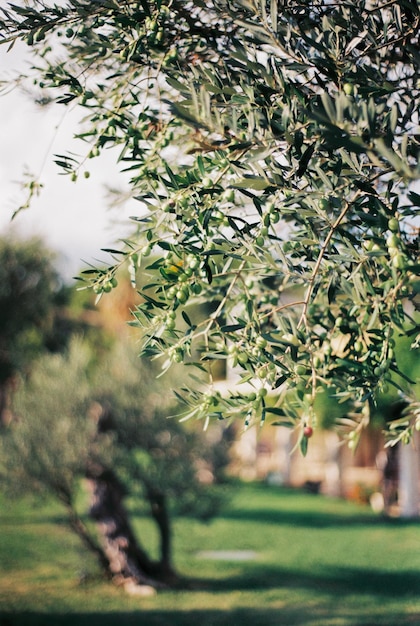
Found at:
[321, 255]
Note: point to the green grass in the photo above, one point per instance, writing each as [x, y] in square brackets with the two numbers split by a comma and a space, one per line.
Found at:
[319, 562]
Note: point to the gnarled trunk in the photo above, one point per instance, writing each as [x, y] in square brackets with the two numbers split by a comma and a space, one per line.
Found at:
[82, 532]
[129, 564]
[159, 510]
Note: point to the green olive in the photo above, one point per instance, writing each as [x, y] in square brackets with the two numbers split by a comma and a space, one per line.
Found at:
[196, 288]
[181, 296]
[323, 203]
[229, 195]
[317, 361]
[177, 355]
[393, 225]
[261, 342]
[393, 241]
[358, 347]
[399, 261]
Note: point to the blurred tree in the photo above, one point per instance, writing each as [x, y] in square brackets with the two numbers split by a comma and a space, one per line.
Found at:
[112, 428]
[273, 148]
[29, 292]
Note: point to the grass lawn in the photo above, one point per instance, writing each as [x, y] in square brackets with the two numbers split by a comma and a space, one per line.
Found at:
[317, 562]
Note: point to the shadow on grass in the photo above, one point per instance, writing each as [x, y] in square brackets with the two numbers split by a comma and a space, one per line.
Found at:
[282, 616]
[278, 517]
[335, 581]
[330, 587]
[309, 517]
[313, 519]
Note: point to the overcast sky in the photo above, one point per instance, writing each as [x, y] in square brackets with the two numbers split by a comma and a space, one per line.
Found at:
[73, 218]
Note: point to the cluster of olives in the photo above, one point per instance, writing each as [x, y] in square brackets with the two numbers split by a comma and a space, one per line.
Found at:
[210, 400]
[106, 284]
[255, 402]
[240, 355]
[184, 276]
[394, 245]
[270, 217]
[154, 25]
[176, 354]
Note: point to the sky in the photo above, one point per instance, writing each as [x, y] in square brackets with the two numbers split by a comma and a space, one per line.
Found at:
[74, 219]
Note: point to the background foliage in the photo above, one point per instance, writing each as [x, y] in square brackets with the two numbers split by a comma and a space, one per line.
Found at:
[273, 149]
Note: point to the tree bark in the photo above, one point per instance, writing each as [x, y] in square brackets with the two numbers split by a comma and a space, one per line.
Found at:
[159, 510]
[80, 529]
[128, 562]
[5, 392]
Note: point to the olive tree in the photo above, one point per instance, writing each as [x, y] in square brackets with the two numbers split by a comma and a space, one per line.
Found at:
[106, 427]
[273, 150]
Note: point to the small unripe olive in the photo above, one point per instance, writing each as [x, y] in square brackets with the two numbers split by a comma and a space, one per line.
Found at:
[393, 225]
[393, 241]
[358, 347]
[229, 195]
[243, 358]
[323, 203]
[181, 296]
[207, 182]
[196, 288]
[177, 356]
[399, 261]
[300, 370]
[193, 262]
[261, 342]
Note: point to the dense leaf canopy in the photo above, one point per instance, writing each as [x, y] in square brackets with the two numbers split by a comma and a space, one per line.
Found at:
[273, 150]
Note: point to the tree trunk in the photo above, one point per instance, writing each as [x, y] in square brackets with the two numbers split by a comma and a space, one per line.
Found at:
[6, 387]
[129, 564]
[80, 529]
[159, 510]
